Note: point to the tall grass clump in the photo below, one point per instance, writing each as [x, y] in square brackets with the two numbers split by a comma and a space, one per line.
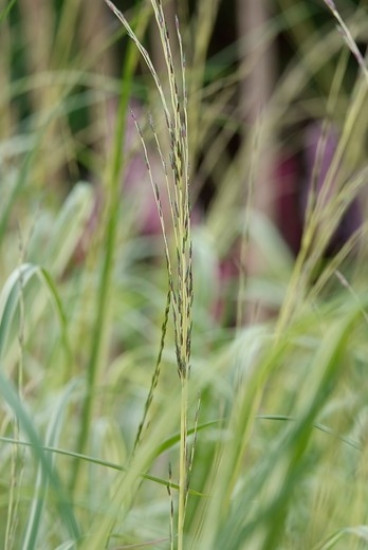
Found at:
[177, 370]
[178, 257]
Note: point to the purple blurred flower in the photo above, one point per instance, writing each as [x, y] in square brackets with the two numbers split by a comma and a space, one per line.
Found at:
[288, 216]
[319, 153]
[295, 175]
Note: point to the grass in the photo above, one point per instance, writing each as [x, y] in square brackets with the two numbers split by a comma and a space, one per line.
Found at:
[140, 407]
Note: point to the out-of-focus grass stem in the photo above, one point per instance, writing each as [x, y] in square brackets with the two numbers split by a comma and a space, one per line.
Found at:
[114, 178]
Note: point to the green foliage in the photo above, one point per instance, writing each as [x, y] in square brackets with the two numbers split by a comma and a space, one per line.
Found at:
[135, 408]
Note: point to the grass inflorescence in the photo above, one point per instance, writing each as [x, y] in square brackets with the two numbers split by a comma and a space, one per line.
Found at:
[183, 301]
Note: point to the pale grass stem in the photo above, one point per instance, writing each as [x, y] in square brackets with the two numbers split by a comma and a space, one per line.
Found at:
[348, 37]
[178, 257]
[345, 283]
[299, 278]
[18, 455]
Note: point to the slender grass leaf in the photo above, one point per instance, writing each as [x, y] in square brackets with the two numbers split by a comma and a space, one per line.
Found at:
[10, 396]
[42, 481]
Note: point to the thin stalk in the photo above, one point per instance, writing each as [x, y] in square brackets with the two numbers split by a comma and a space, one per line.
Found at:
[348, 37]
[103, 304]
[179, 261]
[16, 475]
[183, 465]
[299, 278]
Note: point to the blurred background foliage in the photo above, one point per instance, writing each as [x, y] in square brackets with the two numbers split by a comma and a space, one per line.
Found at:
[268, 82]
[62, 64]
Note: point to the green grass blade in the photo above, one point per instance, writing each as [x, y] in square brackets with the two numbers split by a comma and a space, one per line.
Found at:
[42, 481]
[11, 397]
[11, 295]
